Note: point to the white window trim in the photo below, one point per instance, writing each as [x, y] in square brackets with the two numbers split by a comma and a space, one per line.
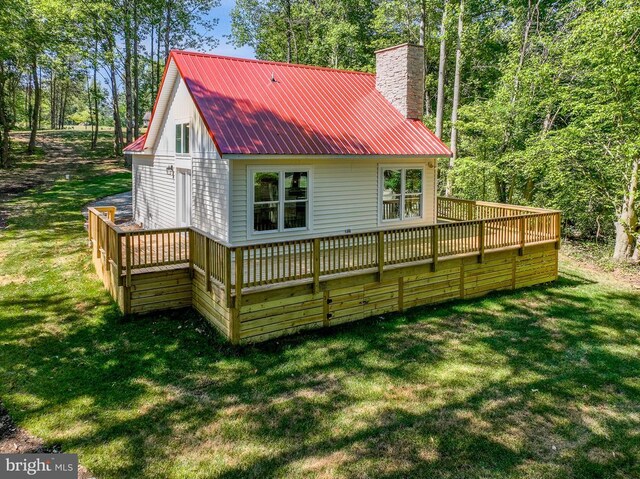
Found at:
[407, 166]
[251, 171]
[183, 121]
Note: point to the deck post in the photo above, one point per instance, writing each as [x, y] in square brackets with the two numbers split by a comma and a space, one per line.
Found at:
[523, 223]
[119, 258]
[481, 241]
[434, 247]
[127, 237]
[558, 229]
[239, 255]
[316, 265]
[191, 243]
[207, 264]
[99, 223]
[89, 224]
[227, 276]
[469, 211]
[107, 266]
[380, 255]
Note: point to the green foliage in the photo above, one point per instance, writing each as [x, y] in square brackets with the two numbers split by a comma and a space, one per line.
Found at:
[566, 137]
[328, 32]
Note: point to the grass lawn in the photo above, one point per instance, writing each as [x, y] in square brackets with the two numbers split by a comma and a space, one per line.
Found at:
[543, 382]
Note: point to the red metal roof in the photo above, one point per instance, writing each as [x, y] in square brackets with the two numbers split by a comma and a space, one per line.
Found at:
[259, 107]
[137, 144]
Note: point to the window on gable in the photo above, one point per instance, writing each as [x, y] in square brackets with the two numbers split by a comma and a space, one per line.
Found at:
[402, 192]
[182, 138]
[280, 200]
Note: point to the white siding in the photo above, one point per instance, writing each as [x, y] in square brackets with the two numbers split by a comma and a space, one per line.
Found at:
[344, 196]
[211, 196]
[154, 188]
[154, 193]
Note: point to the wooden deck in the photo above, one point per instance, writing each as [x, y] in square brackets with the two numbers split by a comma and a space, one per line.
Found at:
[184, 266]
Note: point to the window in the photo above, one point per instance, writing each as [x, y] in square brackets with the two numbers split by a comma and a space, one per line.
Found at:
[182, 138]
[280, 200]
[401, 194]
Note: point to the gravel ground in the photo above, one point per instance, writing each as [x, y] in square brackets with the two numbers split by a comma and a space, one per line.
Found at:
[123, 204]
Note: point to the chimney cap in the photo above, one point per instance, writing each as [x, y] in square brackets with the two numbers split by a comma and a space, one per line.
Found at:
[407, 44]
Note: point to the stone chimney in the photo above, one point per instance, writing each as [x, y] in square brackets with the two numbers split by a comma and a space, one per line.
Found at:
[400, 78]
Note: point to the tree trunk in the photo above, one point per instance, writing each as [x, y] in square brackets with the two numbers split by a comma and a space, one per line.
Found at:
[4, 122]
[136, 73]
[531, 14]
[167, 31]
[37, 100]
[63, 104]
[117, 123]
[95, 119]
[127, 76]
[39, 122]
[423, 22]
[441, 68]
[152, 69]
[423, 39]
[456, 103]
[626, 246]
[13, 86]
[287, 12]
[157, 82]
[29, 109]
[52, 100]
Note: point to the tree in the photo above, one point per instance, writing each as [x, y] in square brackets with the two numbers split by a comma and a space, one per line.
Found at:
[456, 103]
[441, 70]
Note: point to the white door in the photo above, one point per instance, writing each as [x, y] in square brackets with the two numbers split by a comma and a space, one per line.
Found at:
[183, 200]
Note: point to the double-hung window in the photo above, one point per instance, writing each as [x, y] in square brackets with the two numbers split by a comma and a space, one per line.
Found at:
[401, 193]
[182, 138]
[280, 199]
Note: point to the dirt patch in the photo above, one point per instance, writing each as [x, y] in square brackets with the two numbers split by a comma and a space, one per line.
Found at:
[64, 156]
[7, 279]
[618, 275]
[14, 440]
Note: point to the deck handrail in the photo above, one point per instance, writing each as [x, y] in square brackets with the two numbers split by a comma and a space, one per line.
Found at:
[459, 209]
[314, 258]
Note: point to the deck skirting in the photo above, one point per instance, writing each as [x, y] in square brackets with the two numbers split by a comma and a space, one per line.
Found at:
[282, 309]
[256, 292]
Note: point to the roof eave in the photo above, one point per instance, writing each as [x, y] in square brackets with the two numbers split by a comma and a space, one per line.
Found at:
[262, 156]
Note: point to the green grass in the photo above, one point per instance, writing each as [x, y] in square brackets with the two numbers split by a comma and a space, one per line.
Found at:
[18, 157]
[543, 382]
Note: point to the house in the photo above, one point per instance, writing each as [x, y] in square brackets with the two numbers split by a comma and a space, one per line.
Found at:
[276, 197]
[251, 151]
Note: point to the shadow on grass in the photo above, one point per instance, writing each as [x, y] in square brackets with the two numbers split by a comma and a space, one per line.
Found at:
[421, 387]
[541, 382]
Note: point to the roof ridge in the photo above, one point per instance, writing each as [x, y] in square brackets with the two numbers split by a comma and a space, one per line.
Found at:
[269, 62]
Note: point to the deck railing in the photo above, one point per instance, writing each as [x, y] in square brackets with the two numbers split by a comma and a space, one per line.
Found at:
[475, 228]
[463, 210]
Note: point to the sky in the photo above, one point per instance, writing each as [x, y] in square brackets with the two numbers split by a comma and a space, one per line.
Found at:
[223, 13]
